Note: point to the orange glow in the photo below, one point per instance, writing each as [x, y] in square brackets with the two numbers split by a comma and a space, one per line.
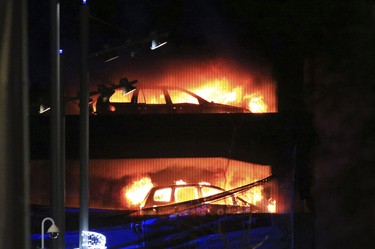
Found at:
[138, 190]
[222, 81]
[112, 108]
[263, 196]
[256, 103]
[93, 104]
[219, 91]
[123, 177]
[256, 194]
[271, 207]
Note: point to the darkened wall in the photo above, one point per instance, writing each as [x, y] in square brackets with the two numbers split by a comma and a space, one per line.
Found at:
[339, 91]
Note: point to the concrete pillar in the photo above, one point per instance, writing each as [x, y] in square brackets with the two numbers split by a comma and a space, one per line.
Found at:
[14, 134]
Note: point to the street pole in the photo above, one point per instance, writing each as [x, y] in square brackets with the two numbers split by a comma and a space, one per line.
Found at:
[57, 134]
[84, 128]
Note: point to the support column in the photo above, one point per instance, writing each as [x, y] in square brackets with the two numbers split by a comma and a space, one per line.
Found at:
[14, 127]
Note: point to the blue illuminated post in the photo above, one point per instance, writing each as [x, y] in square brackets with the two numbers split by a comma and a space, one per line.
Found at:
[84, 128]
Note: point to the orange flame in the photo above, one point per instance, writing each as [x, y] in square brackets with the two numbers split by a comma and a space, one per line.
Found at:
[271, 207]
[256, 194]
[135, 193]
[223, 81]
[138, 190]
[219, 91]
[256, 103]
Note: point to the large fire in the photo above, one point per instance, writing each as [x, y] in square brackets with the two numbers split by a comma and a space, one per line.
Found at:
[219, 91]
[124, 183]
[136, 193]
[216, 90]
[222, 81]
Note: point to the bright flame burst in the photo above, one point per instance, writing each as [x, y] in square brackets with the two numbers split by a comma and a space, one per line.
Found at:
[256, 103]
[219, 91]
[271, 206]
[257, 198]
[255, 194]
[138, 190]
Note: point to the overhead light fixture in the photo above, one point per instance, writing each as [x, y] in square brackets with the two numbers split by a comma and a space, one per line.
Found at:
[43, 108]
[53, 231]
[111, 59]
[110, 56]
[156, 44]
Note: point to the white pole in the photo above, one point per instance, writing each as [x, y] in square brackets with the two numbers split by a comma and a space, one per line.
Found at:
[43, 221]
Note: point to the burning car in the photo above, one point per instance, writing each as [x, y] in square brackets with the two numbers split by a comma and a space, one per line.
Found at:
[193, 199]
[171, 216]
[157, 100]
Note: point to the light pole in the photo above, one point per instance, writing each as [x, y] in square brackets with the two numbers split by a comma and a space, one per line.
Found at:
[84, 118]
[57, 128]
[53, 230]
[84, 128]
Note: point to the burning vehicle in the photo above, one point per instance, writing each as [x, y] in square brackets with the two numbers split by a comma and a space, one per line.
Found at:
[181, 199]
[176, 214]
[157, 100]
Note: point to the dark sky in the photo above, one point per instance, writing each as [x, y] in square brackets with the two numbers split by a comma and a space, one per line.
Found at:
[202, 26]
[282, 32]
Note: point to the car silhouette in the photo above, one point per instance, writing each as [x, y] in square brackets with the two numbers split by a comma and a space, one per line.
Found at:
[172, 215]
[193, 199]
[158, 100]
